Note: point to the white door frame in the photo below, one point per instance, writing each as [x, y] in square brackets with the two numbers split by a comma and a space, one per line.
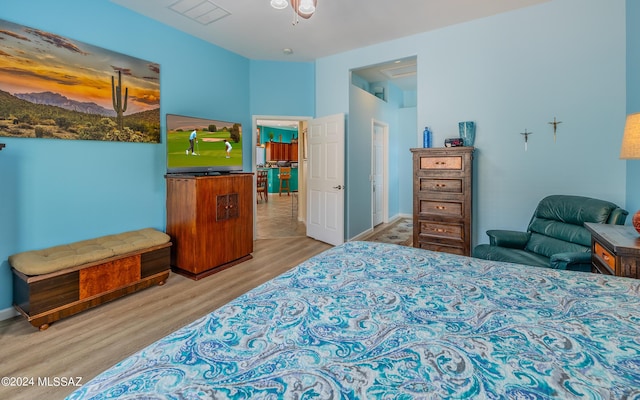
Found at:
[301, 172]
[385, 168]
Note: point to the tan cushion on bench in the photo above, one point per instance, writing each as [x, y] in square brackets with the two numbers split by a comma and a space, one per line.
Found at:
[38, 262]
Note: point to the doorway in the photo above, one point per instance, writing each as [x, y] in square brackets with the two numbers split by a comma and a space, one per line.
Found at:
[382, 122]
[379, 171]
[281, 215]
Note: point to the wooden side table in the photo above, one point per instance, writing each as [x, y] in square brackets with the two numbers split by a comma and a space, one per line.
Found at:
[615, 250]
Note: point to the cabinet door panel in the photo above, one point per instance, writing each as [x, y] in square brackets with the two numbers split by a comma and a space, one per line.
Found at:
[442, 248]
[442, 230]
[605, 256]
[222, 206]
[440, 185]
[453, 162]
[441, 208]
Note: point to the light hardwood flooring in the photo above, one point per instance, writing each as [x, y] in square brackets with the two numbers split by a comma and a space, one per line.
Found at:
[90, 342]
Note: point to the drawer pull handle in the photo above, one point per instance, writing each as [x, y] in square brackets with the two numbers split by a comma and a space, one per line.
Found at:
[439, 185]
[441, 208]
[440, 163]
[605, 257]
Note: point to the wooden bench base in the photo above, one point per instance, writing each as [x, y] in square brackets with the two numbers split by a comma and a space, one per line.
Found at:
[44, 299]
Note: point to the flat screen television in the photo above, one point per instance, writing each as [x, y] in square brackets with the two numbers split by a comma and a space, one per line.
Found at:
[209, 153]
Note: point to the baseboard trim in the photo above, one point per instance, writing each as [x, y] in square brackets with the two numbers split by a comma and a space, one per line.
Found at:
[399, 216]
[361, 235]
[8, 313]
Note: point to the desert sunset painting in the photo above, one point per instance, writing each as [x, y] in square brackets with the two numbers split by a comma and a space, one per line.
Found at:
[59, 88]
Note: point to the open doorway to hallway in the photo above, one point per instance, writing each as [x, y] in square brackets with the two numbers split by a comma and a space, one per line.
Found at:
[280, 212]
[382, 129]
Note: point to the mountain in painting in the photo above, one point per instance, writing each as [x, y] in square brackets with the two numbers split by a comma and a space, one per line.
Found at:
[58, 100]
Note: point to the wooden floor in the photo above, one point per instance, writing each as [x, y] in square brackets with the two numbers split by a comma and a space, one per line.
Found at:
[88, 343]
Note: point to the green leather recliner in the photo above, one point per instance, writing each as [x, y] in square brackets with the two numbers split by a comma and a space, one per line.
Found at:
[556, 236]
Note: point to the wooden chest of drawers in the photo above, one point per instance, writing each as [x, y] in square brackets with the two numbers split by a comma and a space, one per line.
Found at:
[442, 186]
[615, 250]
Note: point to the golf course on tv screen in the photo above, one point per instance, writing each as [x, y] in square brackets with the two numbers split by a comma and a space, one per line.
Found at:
[217, 146]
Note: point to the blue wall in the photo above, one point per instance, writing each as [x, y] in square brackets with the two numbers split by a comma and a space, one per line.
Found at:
[59, 191]
[283, 135]
[407, 126]
[633, 97]
[511, 72]
[282, 89]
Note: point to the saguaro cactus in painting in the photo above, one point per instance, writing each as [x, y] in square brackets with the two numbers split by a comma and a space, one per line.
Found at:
[116, 95]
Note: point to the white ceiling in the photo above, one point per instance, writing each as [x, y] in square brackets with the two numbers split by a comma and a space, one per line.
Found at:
[252, 28]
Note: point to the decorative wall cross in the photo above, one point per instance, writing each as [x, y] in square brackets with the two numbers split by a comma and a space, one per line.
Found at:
[555, 127]
[526, 138]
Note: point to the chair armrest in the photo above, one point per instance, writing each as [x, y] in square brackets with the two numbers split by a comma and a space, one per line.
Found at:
[618, 216]
[511, 239]
[575, 261]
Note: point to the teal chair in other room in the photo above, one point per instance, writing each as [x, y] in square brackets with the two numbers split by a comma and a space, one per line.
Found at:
[556, 236]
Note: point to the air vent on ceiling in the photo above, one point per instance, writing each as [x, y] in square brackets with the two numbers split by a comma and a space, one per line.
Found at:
[400, 71]
[201, 11]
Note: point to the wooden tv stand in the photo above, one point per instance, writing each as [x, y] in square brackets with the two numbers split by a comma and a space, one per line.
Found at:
[210, 221]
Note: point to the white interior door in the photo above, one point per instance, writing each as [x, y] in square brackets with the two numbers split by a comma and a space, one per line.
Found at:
[325, 179]
[377, 171]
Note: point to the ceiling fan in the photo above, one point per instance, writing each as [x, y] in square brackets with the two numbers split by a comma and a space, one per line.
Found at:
[302, 8]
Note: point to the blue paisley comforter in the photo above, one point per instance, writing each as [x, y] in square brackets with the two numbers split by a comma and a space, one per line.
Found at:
[377, 321]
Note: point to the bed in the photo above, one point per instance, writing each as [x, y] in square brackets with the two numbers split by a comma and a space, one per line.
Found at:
[369, 320]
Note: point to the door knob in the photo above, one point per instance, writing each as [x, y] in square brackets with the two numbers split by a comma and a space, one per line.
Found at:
[338, 187]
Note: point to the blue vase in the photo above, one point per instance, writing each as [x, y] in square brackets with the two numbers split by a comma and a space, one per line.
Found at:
[467, 132]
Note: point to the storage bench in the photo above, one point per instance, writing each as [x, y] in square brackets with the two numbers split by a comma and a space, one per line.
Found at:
[57, 282]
